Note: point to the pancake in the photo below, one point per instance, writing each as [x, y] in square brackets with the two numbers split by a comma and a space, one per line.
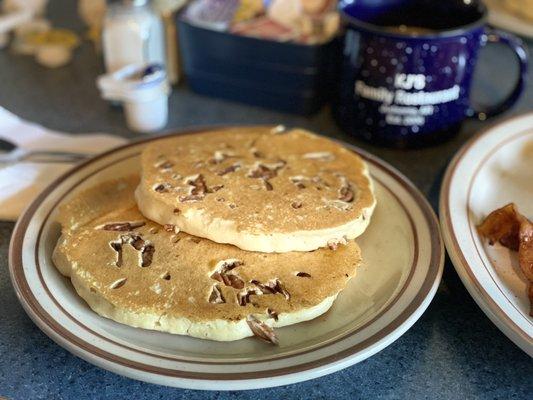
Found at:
[134, 271]
[257, 189]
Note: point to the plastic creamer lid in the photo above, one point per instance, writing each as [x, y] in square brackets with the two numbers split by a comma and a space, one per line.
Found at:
[134, 83]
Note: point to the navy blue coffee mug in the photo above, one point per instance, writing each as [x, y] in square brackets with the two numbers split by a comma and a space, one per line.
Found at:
[407, 69]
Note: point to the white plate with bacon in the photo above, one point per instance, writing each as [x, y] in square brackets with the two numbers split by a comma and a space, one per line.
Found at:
[491, 250]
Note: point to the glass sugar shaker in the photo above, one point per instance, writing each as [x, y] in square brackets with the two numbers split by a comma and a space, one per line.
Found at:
[133, 33]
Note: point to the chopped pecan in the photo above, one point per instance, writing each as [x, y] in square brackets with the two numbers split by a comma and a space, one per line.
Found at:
[171, 228]
[227, 170]
[145, 248]
[256, 153]
[268, 185]
[162, 188]
[272, 314]
[117, 246]
[199, 188]
[191, 197]
[164, 165]
[174, 238]
[296, 204]
[147, 255]
[273, 286]
[121, 226]
[118, 283]
[221, 273]
[346, 192]
[220, 156]
[333, 245]
[298, 181]
[135, 240]
[216, 296]
[168, 227]
[243, 297]
[319, 155]
[261, 330]
[279, 129]
[266, 171]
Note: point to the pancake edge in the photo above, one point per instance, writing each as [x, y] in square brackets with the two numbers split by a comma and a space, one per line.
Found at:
[197, 223]
[217, 329]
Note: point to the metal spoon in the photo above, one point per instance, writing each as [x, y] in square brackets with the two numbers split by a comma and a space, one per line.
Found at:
[14, 154]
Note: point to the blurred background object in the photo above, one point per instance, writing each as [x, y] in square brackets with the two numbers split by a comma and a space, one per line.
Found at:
[132, 34]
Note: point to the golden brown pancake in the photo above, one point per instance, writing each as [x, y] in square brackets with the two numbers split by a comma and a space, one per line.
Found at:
[257, 189]
[142, 274]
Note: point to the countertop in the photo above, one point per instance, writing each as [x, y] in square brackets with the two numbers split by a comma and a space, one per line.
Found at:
[453, 351]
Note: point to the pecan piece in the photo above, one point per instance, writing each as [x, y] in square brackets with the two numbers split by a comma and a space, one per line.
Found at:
[272, 314]
[199, 188]
[198, 184]
[227, 170]
[135, 240]
[145, 248]
[220, 156]
[266, 171]
[273, 286]
[191, 197]
[268, 185]
[147, 255]
[221, 273]
[256, 153]
[118, 283]
[261, 330]
[216, 296]
[319, 155]
[346, 192]
[296, 204]
[243, 297]
[298, 181]
[162, 188]
[164, 165]
[279, 129]
[171, 228]
[121, 226]
[117, 246]
[333, 245]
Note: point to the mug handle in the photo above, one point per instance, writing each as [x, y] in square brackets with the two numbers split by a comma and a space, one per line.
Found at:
[497, 36]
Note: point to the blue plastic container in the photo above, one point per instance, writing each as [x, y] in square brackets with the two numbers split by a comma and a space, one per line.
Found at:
[288, 77]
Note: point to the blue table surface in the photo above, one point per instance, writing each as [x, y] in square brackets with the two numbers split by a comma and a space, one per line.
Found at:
[453, 351]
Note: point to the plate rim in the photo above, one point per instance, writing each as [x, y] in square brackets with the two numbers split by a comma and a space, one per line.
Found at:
[393, 329]
[484, 300]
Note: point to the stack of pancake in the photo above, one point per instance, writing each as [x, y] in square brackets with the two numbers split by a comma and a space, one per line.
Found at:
[225, 234]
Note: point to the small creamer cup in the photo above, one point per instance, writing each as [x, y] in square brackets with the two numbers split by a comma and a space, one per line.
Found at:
[144, 92]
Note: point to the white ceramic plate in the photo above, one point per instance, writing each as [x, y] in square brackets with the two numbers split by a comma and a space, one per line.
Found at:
[493, 169]
[501, 17]
[403, 255]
